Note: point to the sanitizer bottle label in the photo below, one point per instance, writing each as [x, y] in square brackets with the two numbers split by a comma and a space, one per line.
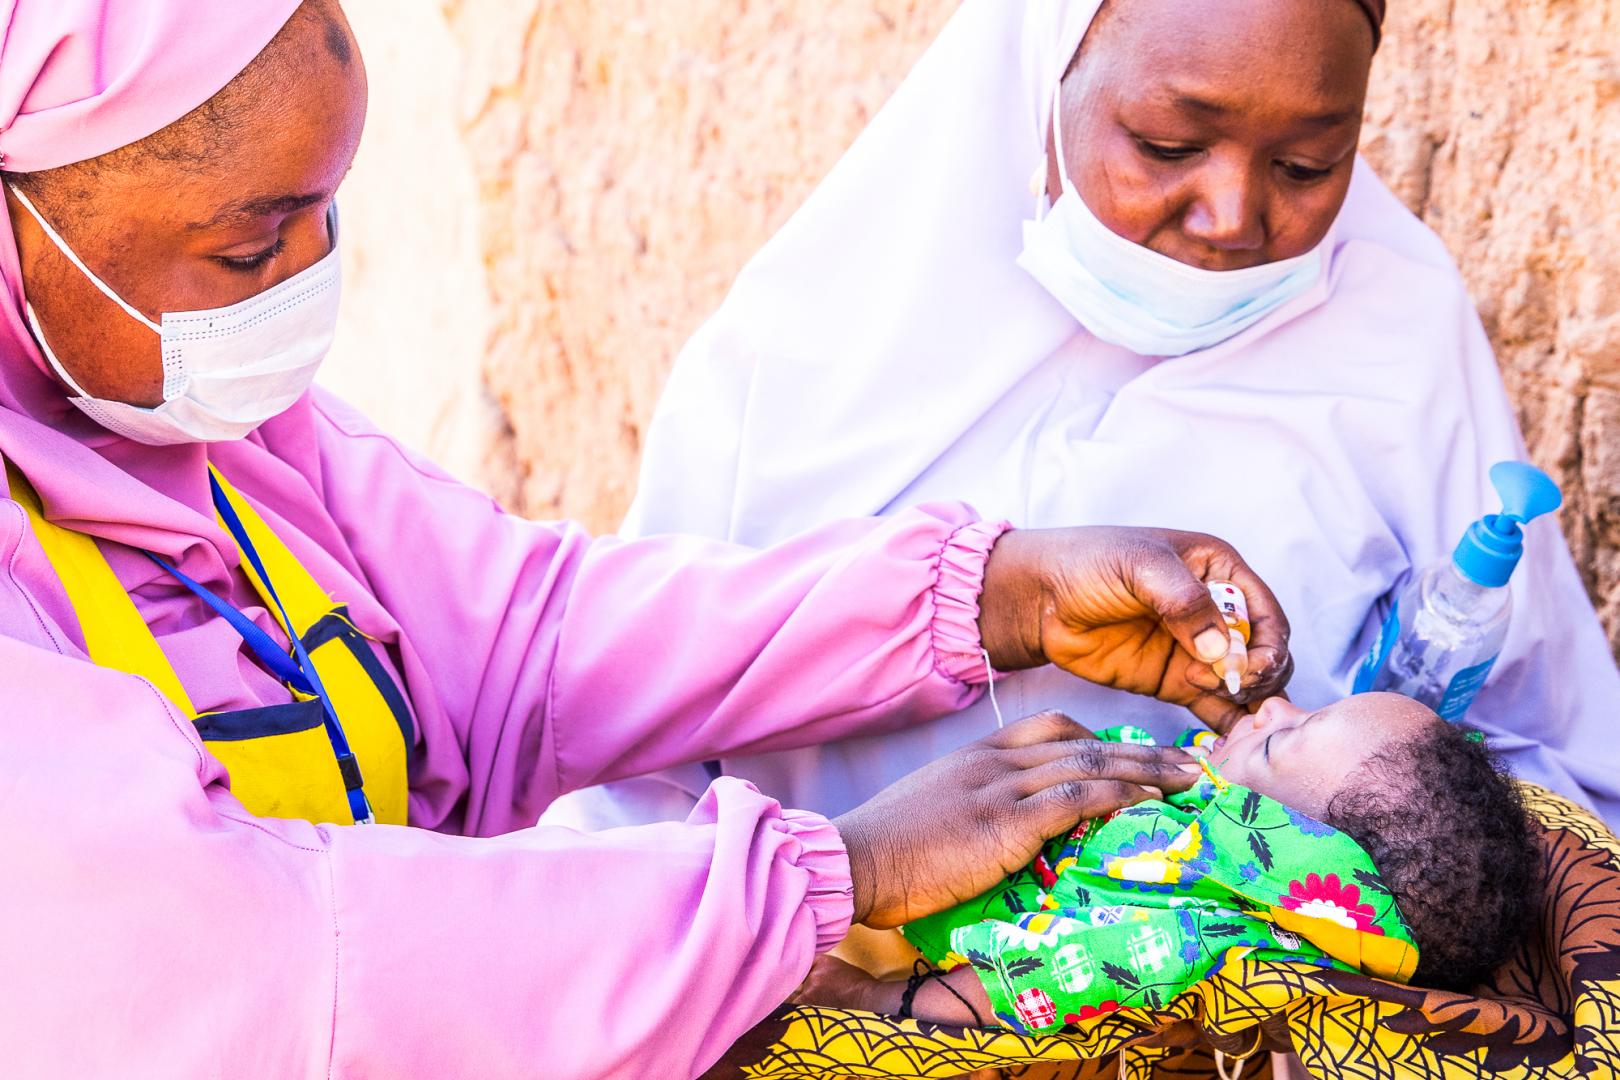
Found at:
[1378, 655]
[1465, 686]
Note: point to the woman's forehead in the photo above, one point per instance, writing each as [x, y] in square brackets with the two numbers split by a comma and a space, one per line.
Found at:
[1316, 51]
[279, 137]
[1192, 22]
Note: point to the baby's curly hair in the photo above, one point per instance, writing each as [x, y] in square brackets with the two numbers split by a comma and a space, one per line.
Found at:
[1449, 833]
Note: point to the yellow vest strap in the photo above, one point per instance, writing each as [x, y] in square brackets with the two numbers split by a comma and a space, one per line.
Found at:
[117, 637]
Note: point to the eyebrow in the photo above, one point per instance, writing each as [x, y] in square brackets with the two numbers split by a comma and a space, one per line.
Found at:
[263, 206]
[1194, 103]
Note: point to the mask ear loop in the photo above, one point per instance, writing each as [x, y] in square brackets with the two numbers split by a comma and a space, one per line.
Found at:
[990, 683]
[50, 353]
[1057, 137]
[1037, 182]
[72, 257]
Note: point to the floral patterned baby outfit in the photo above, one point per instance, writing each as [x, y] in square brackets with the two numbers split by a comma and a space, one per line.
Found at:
[1134, 908]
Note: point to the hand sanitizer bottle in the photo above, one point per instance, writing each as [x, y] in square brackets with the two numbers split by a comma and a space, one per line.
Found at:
[1447, 627]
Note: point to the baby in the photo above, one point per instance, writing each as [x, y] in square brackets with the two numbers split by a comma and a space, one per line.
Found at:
[1369, 835]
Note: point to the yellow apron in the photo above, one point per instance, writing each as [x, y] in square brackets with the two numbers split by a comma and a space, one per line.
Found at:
[280, 758]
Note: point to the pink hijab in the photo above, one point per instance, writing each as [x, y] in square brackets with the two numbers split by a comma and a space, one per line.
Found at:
[79, 78]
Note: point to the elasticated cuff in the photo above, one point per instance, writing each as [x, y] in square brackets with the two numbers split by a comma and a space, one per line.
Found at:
[958, 649]
[832, 892]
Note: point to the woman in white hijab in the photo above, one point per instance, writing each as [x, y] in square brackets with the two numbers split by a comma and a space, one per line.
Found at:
[1224, 323]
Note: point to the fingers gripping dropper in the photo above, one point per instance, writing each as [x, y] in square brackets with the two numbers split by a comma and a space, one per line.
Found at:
[1234, 608]
[1237, 658]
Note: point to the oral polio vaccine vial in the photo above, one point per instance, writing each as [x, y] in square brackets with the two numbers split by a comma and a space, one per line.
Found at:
[1235, 610]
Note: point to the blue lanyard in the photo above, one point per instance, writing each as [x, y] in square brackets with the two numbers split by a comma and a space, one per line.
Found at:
[300, 675]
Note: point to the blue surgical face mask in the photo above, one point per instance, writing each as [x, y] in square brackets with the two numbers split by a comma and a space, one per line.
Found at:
[1137, 298]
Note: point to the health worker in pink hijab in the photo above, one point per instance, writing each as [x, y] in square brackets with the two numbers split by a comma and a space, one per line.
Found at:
[169, 261]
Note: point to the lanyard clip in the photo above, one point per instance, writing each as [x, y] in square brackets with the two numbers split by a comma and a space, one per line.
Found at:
[353, 783]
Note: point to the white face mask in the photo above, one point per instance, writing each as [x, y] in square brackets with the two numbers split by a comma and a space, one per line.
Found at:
[225, 371]
[1135, 297]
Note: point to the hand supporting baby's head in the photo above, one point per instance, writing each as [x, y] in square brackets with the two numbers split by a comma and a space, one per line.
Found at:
[1440, 818]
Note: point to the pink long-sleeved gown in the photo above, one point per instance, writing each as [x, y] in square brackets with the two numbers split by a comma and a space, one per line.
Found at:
[155, 929]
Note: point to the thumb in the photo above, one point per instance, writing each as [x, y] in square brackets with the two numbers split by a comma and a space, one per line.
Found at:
[1163, 583]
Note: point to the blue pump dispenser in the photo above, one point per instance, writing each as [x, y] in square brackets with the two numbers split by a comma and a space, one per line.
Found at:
[1490, 549]
[1446, 628]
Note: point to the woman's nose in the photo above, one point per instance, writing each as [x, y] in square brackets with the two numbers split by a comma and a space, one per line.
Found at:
[1227, 218]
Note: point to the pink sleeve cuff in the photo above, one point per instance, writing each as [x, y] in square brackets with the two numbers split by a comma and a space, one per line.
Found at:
[832, 894]
[958, 650]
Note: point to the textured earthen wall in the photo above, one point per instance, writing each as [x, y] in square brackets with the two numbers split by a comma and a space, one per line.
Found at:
[632, 155]
[416, 311]
[629, 155]
[1499, 124]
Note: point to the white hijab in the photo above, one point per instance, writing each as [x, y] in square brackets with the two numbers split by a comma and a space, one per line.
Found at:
[885, 349]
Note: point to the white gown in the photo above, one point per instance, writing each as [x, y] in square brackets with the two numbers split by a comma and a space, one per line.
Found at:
[884, 349]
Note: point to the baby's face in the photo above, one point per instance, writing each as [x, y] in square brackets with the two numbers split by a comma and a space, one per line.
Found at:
[1302, 759]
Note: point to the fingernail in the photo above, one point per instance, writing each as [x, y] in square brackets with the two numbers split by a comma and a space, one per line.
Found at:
[1193, 768]
[1153, 792]
[1197, 752]
[1211, 645]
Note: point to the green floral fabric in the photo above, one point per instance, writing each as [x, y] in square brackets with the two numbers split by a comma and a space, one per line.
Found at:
[1134, 908]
